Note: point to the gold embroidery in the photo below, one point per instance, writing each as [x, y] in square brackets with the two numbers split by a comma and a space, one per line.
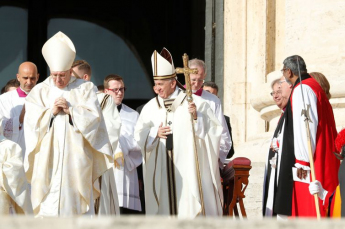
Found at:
[104, 100]
[155, 61]
[155, 77]
[154, 176]
[117, 156]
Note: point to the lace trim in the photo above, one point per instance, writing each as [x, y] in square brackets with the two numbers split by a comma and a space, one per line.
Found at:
[8, 130]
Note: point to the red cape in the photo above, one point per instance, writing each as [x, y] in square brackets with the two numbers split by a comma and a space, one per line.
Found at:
[325, 163]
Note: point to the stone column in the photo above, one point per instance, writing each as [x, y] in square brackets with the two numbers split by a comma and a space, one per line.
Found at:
[214, 43]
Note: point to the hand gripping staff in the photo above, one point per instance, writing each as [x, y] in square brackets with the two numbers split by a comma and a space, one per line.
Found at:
[305, 112]
[186, 71]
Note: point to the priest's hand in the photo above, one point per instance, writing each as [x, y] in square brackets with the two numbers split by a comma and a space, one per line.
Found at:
[301, 173]
[192, 110]
[163, 131]
[62, 104]
[56, 109]
[275, 145]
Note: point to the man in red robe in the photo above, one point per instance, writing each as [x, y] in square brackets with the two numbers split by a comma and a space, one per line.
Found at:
[293, 197]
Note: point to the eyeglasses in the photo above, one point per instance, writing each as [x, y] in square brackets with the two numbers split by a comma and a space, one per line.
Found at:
[199, 81]
[273, 93]
[282, 81]
[283, 70]
[116, 90]
[61, 75]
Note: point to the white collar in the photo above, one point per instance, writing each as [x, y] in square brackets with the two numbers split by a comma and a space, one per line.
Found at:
[174, 94]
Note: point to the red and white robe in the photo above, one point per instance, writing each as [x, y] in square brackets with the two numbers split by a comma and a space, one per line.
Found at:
[293, 197]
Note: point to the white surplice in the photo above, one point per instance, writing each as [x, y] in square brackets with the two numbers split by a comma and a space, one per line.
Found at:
[275, 164]
[65, 154]
[126, 176]
[10, 108]
[14, 189]
[208, 132]
[225, 140]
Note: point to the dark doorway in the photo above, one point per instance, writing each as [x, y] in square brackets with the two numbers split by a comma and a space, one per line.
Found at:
[140, 27]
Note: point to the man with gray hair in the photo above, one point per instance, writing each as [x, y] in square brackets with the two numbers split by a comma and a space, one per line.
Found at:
[307, 102]
[280, 96]
[197, 81]
[68, 147]
[173, 185]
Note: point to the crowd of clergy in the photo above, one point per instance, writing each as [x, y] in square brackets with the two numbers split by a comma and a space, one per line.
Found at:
[69, 148]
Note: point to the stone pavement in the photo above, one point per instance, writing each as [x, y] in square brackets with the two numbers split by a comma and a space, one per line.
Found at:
[162, 223]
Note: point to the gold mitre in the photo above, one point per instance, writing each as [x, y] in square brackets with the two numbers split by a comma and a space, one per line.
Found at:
[162, 65]
[59, 52]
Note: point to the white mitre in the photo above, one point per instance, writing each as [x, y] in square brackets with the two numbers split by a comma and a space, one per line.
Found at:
[162, 65]
[59, 52]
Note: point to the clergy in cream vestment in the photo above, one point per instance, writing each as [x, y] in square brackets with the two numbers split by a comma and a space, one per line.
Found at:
[108, 203]
[14, 189]
[170, 175]
[67, 143]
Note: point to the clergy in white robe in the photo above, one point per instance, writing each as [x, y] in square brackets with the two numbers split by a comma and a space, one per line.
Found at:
[197, 81]
[14, 189]
[164, 133]
[127, 154]
[225, 140]
[11, 104]
[67, 145]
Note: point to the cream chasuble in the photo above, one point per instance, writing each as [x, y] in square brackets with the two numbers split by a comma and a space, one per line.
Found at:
[208, 132]
[108, 202]
[11, 106]
[66, 154]
[14, 189]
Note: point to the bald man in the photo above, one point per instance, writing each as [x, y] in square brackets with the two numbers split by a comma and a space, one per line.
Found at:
[12, 108]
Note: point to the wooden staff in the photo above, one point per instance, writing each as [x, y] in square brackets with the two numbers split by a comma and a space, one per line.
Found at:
[305, 112]
[186, 71]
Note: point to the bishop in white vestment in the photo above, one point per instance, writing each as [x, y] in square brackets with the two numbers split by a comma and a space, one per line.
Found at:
[164, 133]
[67, 145]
